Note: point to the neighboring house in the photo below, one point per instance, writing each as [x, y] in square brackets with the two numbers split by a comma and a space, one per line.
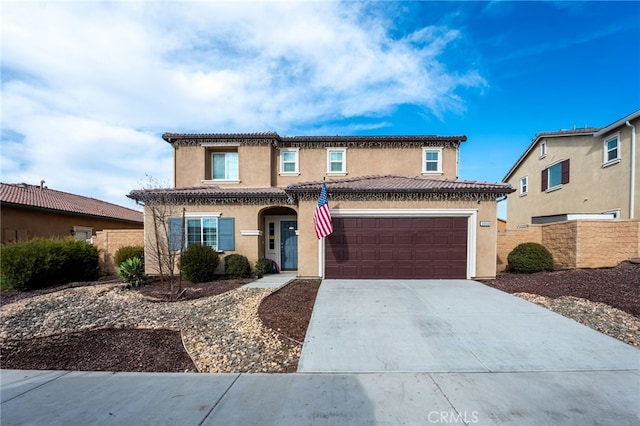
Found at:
[502, 225]
[30, 211]
[398, 209]
[589, 173]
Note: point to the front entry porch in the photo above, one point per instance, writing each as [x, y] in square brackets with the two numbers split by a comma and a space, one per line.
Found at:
[281, 237]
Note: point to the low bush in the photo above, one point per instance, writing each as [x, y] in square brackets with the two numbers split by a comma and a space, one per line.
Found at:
[41, 262]
[127, 252]
[529, 258]
[237, 266]
[263, 266]
[132, 272]
[199, 263]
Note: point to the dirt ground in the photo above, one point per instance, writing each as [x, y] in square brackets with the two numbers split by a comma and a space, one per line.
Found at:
[286, 311]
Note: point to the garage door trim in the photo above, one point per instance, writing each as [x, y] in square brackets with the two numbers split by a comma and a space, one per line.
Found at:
[470, 214]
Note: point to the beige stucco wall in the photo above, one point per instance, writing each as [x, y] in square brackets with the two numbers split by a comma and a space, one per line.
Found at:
[249, 218]
[259, 166]
[592, 188]
[577, 243]
[109, 241]
[367, 162]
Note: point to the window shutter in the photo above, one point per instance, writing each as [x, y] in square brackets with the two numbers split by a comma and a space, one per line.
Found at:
[226, 240]
[175, 231]
[565, 171]
[545, 179]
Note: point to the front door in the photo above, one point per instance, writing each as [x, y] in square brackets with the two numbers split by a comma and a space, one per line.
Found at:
[288, 245]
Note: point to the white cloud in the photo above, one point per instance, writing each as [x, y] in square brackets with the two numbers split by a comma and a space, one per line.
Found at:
[91, 86]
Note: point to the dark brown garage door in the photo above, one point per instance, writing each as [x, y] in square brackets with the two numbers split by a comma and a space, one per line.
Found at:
[397, 248]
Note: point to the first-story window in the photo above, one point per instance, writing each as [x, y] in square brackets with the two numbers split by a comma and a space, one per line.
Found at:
[203, 230]
[524, 185]
[224, 165]
[431, 160]
[213, 231]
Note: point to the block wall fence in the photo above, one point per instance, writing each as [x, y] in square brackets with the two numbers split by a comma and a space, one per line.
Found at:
[577, 243]
[109, 241]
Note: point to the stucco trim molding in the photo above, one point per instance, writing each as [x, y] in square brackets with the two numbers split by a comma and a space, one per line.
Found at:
[251, 233]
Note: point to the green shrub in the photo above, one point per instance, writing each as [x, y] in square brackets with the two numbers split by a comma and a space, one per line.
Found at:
[127, 252]
[199, 263]
[530, 257]
[132, 272]
[237, 266]
[263, 267]
[41, 262]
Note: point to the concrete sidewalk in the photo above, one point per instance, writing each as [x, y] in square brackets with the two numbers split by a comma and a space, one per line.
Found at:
[539, 398]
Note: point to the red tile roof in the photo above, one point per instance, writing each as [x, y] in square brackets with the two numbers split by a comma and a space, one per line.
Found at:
[22, 194]
[366, 184]
[401, 184]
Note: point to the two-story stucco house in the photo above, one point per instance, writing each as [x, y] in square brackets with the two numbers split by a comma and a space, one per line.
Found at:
[397, 207]
[581, 173]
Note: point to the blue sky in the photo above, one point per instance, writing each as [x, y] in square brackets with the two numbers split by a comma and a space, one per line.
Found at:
[89, 87]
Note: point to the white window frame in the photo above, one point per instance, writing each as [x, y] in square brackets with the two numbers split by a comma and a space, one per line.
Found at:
[524, 188]
[558, 186]
[543, 149]
[605, 150]
[296, 171]
[438, 171]
[227, 179]
[201, 216]
[342, 172]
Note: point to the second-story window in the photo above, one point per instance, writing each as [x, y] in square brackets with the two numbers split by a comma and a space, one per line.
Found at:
[336, 161]
[524, 185]
[431, 160]
[289, 161]
[224, 166]
[543, 149]
[611, 150]
[556, 175]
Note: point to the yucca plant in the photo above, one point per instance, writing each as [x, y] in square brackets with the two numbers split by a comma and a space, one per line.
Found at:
[132, 272]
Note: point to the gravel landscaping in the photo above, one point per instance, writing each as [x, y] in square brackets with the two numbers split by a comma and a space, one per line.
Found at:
[224, 327]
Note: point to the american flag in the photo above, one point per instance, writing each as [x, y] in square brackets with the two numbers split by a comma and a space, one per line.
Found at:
[322, 217]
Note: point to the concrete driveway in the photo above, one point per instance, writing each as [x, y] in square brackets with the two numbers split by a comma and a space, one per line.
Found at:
[447, 326]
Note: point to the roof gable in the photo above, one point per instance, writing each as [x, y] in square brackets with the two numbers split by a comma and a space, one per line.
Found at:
[41, 197]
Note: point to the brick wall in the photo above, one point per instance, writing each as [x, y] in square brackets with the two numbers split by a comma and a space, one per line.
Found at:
[577, 243]
[110, 240]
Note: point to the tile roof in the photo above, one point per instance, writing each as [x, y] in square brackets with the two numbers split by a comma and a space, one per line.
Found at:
[210, 191]
[36, 196]
[191, 138]
[366, 184]
[398, 184]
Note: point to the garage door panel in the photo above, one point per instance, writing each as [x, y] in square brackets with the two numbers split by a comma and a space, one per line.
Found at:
[397, 248]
